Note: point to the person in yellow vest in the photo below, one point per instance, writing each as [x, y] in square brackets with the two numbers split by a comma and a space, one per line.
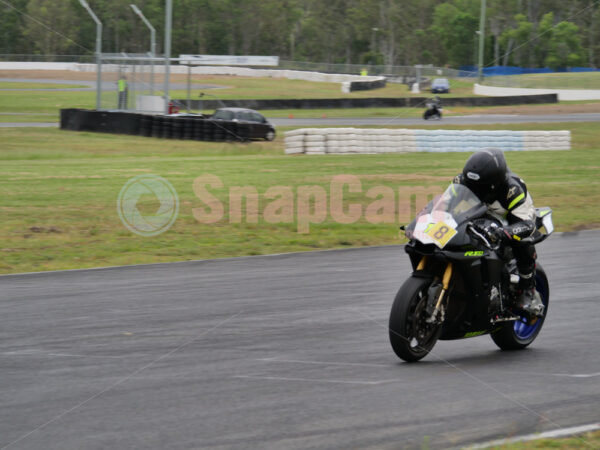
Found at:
[364, 72]
[122, 92]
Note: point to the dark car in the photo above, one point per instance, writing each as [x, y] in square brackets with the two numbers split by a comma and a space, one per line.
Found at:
[440, 86]
[260, 127]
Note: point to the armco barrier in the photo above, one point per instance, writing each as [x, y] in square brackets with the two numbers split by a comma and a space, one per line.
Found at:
[153, 125]
[320, 141]
[377, 102]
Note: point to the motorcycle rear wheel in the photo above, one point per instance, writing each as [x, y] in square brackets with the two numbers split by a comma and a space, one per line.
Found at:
[411, 337]
[519, 334]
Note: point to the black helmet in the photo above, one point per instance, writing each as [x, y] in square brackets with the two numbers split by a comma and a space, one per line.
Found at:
[484, 171]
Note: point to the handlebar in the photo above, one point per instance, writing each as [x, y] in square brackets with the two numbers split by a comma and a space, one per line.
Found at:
[483, 236]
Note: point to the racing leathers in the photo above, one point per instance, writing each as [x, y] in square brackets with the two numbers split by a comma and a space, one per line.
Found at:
[512, 205]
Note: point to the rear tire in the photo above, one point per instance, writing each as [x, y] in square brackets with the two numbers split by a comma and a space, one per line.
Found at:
[518, 335]
[411, 338]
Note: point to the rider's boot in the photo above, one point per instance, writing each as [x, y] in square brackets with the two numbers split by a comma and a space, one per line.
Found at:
[529, 299]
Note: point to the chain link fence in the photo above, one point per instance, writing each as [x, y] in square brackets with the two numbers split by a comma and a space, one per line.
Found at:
[130, 82]
[135, 82]
[400, 74]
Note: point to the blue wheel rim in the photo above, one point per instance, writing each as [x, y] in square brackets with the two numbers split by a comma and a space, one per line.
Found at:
[523, 331]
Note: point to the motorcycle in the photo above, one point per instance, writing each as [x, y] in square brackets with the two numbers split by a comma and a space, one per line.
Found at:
[464, 283]
[433, 111]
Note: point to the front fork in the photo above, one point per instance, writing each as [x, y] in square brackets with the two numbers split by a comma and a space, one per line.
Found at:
[437, 314]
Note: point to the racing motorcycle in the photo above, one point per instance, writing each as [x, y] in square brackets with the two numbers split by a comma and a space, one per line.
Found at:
[464, 282]
[433, 111]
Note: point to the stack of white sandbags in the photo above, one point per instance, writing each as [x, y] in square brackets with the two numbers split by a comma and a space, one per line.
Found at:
[547, 140]
[320, 141]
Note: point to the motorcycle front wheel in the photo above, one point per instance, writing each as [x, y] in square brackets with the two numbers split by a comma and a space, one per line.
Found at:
[412, 338]
[519, 334]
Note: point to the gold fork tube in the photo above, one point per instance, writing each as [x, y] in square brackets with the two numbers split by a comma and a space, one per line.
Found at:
[445, 284]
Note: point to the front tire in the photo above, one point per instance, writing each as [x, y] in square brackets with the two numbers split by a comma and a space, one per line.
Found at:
[411, 337]
[519, 334]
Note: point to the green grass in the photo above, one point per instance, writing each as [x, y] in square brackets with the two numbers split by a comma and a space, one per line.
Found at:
[45, 101]
[280, 88]
[588, 440]
[24, 85]
[59, 193]
[26, 118]
[581, 80]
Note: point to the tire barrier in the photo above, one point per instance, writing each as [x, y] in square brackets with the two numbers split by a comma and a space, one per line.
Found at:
[381, 102]
[165, 127]
[321, 141]
[352, 86]
[157, 127]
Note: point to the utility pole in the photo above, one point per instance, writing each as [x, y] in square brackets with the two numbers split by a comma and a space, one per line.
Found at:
[481, 41]
[168, 24]
[98, 52]
[152, 43]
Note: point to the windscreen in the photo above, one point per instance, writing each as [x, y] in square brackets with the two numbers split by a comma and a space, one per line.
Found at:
[457, 201]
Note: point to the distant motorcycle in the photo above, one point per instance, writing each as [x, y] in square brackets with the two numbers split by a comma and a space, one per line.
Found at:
[434, 110]
[464, 283]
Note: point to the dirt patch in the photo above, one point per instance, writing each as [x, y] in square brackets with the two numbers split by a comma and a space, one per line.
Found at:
[45, 230]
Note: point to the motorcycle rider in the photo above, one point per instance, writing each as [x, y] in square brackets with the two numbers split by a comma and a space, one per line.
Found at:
[434, 107]
[488, 176]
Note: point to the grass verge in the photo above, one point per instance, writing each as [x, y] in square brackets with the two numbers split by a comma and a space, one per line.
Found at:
[59, 193]
[570, 80]
[588, 440]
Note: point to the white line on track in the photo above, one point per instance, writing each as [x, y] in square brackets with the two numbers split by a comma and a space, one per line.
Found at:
[314, 380]
[561, 432]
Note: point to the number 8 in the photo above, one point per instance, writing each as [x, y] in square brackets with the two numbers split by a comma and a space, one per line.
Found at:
[439, 234]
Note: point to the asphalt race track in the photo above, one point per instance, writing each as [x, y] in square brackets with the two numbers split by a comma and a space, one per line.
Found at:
[273, 352]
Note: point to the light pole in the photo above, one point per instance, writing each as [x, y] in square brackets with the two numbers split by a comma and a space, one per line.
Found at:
[168, 24]
[98, 51]
[152, 43]
[481, 41]
[373, 43]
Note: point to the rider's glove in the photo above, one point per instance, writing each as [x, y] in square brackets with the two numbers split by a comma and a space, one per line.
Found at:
[497, 234]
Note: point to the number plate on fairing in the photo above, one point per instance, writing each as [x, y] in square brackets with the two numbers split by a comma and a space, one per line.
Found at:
[440, 233]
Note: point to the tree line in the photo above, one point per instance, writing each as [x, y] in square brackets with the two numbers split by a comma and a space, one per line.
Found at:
[529, 33]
